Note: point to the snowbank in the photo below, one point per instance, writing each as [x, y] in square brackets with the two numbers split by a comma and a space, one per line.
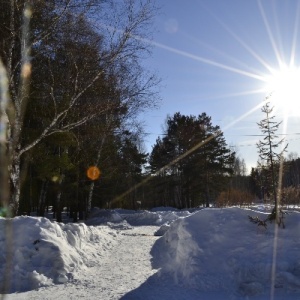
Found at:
[156, 217]
[102, 216]
[220, 250]
[39, 252]
[208, 254]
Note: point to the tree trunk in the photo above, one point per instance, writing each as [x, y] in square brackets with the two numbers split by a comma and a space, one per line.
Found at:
[4, 157]
[91, 191]
[42, 199]
[90, 198]
[58, 206]
[207, 198]
[20, 98]
[16, 184]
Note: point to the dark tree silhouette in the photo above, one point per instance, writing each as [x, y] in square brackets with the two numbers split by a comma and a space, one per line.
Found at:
[267, 153]
[194, 157]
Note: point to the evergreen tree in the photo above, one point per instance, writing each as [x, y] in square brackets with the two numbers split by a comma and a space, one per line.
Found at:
[267, 153]
[194, 158]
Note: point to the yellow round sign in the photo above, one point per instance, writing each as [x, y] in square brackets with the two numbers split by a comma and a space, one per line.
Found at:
[93, 173]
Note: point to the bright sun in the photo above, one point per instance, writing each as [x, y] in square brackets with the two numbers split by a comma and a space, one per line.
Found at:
[283, 88]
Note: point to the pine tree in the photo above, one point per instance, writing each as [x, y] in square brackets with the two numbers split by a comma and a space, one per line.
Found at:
[194, 157]
[267, 153]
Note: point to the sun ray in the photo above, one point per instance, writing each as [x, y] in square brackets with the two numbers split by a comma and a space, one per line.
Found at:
[200, 58]
[208, 61]
[247, 47]
[243, 116]
[187, 54]
[269, 31]
[233, 95]
[277, 33]
[218, 51]
[295, 35]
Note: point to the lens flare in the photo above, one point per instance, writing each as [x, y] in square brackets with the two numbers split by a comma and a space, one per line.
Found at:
[93, 173]
[284, 87]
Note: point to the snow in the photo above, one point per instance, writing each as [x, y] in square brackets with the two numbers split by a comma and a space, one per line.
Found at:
[159, 254]
[46, 252]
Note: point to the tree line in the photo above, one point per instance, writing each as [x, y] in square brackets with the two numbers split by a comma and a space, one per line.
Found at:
[187, 168]
[75, 85]
[290, 188]
[275, 180]
[72, 87]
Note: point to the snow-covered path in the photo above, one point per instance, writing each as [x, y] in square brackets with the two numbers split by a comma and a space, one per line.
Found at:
[122, 268]
[126, 267]
[214, 254]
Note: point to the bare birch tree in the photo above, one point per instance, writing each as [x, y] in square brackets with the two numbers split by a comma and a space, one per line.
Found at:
[123, 42]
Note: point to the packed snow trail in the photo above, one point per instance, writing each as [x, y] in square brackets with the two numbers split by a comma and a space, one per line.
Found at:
[110, 275]
[199, 257]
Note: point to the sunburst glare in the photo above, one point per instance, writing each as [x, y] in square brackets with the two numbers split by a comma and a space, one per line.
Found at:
[283, 86]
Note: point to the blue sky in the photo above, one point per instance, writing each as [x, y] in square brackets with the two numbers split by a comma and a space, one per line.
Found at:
[213, 55]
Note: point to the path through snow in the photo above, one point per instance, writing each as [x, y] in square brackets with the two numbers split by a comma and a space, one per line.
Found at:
[111, 274]
[214, 254]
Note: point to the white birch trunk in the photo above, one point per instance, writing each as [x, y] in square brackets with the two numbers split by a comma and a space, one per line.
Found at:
[16, 184]
[91, 191]
[4, 157]
[20, 101]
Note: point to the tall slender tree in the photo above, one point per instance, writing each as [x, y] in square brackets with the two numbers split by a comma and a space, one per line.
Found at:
[268, 154]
